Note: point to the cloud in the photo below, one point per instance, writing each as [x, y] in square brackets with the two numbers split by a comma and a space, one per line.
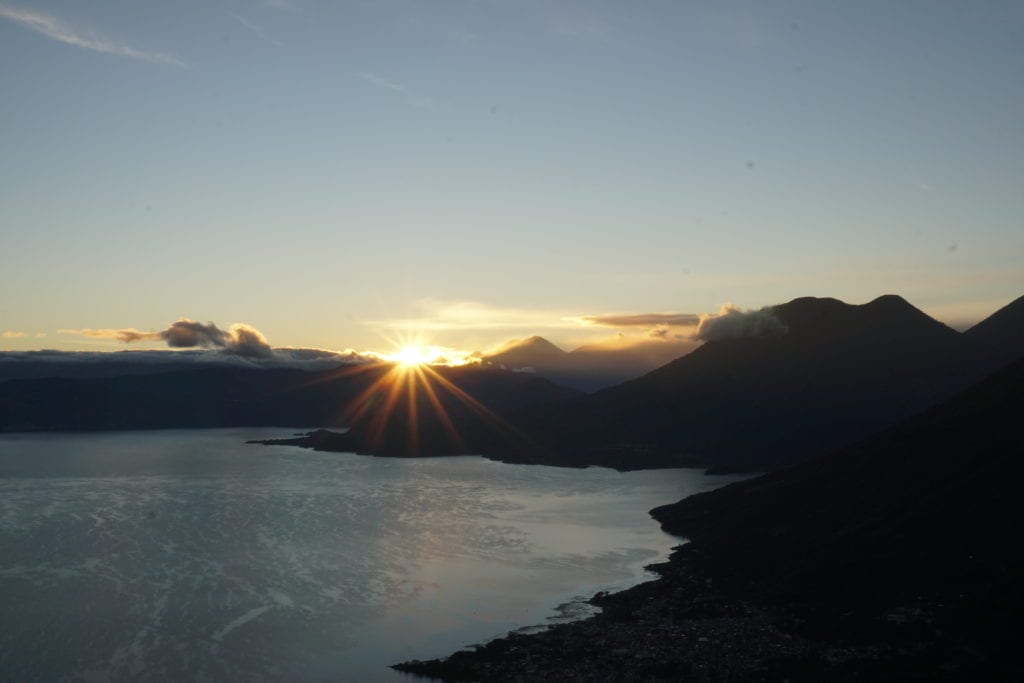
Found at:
[56, 29]
[437, 316]
[186, 334]
[248, 342]
[733, 323]
[642, 319]
[646, 327]
[125, 335]
[11, 334]
[323, 357]
[240, 342]
[239, 339]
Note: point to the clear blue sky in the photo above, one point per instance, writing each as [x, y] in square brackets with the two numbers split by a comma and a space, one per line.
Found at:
[490, 169]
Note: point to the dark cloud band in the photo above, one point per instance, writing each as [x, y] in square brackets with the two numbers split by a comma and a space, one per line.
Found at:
[643, 319]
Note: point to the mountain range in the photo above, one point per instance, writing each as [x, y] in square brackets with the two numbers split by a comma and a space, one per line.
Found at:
[221, 396]
[829, 373]
[811, 375]
[587, 368]
[823, 374]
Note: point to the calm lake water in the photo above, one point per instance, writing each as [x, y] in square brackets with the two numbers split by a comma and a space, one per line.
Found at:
[192, 555]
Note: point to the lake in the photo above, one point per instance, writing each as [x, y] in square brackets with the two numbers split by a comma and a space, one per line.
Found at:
[189, 554]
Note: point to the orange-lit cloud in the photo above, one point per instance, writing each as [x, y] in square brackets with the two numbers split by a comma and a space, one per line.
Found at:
[642, 319]
[11, 334]
[124, 335]
[646, 330]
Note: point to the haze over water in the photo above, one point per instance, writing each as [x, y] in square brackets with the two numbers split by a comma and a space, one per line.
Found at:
[191, 554]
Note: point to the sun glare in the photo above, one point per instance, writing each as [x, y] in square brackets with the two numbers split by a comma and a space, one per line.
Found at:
[411, 388]
[413, 354]
[410, 356]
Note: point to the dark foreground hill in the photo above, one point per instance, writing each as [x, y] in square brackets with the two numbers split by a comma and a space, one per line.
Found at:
[931, 503]
[898, 558]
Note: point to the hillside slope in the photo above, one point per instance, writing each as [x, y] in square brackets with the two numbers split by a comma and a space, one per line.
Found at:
[836, 373]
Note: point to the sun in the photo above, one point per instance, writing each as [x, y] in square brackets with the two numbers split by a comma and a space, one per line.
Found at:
[411, 356]
[407, 398]
[416, 353]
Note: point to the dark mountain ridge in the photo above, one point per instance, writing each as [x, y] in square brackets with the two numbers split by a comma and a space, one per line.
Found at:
[837, 373]
[1002, 333]
[218, 396]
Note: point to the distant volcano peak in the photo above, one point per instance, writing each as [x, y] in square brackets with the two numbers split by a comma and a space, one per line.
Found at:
[534, 344]
[530, 352]
[537, 340]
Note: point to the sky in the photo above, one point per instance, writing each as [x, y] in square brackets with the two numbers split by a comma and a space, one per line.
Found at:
[348, 174]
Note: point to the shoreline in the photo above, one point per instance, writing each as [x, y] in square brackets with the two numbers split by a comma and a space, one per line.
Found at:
[328, 441]
[679, 624]
[689, 623]
[685, 625]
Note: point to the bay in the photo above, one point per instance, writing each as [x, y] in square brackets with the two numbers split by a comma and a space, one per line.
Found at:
[192, 555]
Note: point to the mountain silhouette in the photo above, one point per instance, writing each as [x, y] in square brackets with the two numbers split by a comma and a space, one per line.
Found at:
[531, 352]
[755, 397]
[587, 368]
[219, 396]
[1002, 333]
[834, 373]
[822, 375]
